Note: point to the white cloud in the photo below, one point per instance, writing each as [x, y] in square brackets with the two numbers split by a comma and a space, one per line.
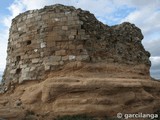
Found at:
[36, 4]
[146, 19]
[146, 16]
[98, 7]
[138, 3]
[152, 46]
[156, 60]
[15, 8]
[3, 48]
[155, 69]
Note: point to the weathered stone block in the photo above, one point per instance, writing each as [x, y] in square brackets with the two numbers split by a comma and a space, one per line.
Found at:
[45, 17]
[85, 57]
[23, 66]
[64, 58]
[55, 58]
[24, 76]
[29, 16]
[55, 63]
[32, 56]
[70, 18]
[72, 47]
[56, 19]
[64, 27]
[64, 45]
[36, 60]
[43, 45]
[72, 57]
[64, 19]
[38, 18]
[47, 67]
[13, 71]
[73, 32]
[61, 62]
[79, 47]
[27, 69]
[79, 58]
[32, 69]
[71, 37]
[60, 52]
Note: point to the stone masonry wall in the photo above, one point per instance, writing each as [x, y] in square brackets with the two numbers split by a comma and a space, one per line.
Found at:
[42, 40]
[46, 39]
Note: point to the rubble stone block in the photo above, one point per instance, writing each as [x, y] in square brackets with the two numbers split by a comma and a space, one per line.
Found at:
[80, 47]
[61, 63]
[64, 27]
[43, 45]
[32, 68]
[72, 47]
[79, 58]
[64, 58]
[71, 37]
[36, 60]
[60, 52]
[72, 57]
[13, 71]
[55, 58]
[47, 67]
[55, 63]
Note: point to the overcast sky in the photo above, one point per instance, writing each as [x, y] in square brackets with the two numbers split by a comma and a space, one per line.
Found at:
[143, 13]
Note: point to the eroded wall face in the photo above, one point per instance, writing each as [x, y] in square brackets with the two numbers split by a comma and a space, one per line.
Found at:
[43, 40]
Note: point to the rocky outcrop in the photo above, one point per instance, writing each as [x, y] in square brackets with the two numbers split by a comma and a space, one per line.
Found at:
[80, 89]
[63, 61]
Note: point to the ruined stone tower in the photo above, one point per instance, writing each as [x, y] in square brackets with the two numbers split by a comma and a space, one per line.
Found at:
[45, 40]
[78, 66]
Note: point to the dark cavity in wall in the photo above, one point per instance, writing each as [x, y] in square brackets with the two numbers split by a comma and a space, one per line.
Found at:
[18, 58]
[18, 71]
[28, 42]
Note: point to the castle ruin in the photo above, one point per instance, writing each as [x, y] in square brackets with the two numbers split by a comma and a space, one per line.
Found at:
[45, 40]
